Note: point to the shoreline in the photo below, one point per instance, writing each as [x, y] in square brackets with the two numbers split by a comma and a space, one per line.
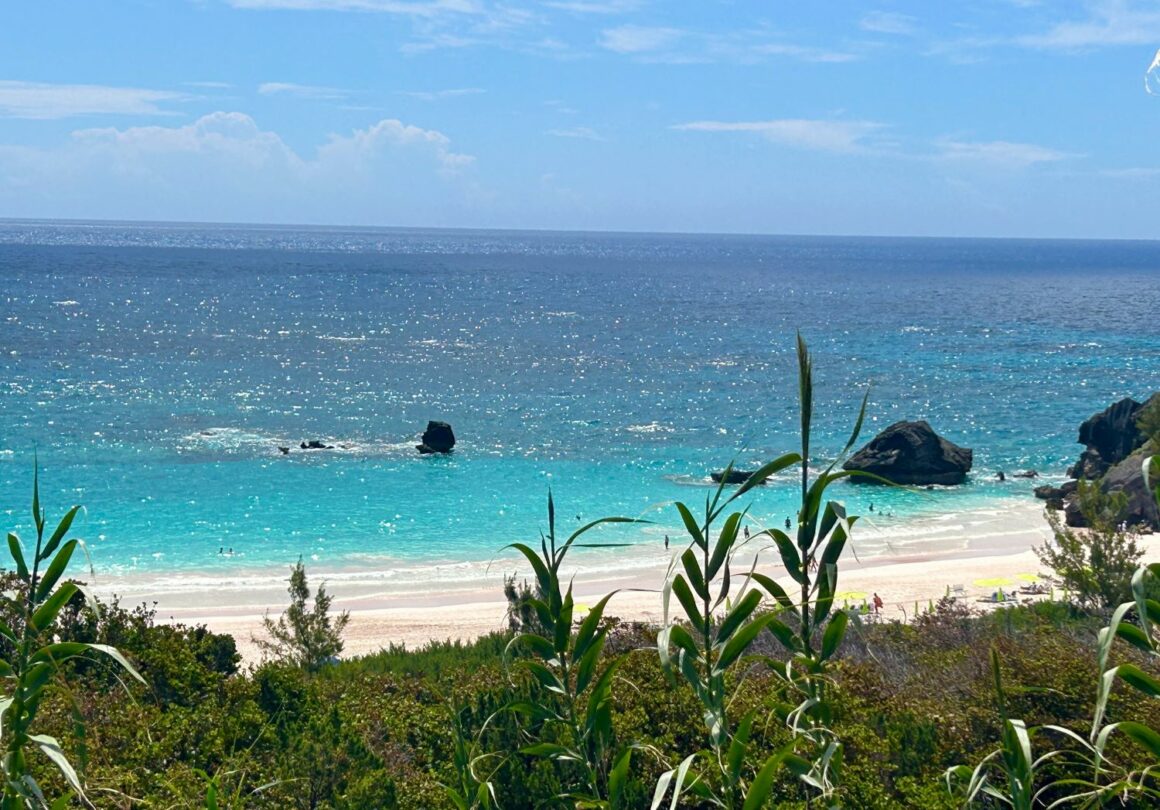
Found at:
[984, 545]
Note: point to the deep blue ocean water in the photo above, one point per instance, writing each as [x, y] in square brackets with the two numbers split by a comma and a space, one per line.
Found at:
[155, 369]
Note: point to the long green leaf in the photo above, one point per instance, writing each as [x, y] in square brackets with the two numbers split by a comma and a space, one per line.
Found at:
[55, 570]
[693, 573]
[835, 630]
[774, 590]
[741, 611]
[691, 525]
[763, 473]
[741, 642]
[46, 614]
[58, 535]
[692, 612]
[617, 778]
[762, 784]
[18, 556]
[589, 626]
[543, 578]
[51, 749]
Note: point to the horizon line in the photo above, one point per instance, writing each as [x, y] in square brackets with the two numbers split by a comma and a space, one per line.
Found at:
[571, 231]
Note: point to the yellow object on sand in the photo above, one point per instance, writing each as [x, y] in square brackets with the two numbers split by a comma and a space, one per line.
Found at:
[1028, 577]
[993, 582]
[850, 595]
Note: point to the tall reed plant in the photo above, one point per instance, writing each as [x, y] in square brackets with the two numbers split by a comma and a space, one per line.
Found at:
[574, 720]
[720, 620]
[33, 659]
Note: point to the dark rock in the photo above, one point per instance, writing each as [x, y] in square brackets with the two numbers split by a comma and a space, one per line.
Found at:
[912, 453]
[437, 438]
[732, 476]
[284, 450]
[1025, 474]
[1127, 477]
[1110, 437]
[1001, 475]
[314, 444]
[1048, 493]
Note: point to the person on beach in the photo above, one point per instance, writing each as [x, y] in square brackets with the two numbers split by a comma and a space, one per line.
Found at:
[666, 541]
[877, 603]
[787, 524]
[746, 532]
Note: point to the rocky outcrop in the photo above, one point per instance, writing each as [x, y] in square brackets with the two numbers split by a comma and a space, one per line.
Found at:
[314, 444]
[912, 453]
[1110, 437]
[1140, 509]
[1113, 455]
[437, 438]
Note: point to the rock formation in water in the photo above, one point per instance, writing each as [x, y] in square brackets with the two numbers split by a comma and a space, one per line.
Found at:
[912, 453]
[1113, 455]
[437, 438]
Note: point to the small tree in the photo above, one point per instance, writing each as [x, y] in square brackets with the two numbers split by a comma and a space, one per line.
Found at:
[1096, 564]
[308, 638]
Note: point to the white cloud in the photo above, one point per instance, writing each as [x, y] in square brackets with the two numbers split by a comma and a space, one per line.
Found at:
[608, 7]
[225, 167]
[301, 90]
[888, 22]
[46, 101]
[209, 85]
[803, 53]
[434, 8]
[582, 133]
[368, 144]
[436, 95]
[821, 135]
[636, 39]
[1113, 22]
[1005, 153]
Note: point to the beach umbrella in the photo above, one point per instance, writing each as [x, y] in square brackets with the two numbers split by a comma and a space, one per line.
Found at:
[993, 582]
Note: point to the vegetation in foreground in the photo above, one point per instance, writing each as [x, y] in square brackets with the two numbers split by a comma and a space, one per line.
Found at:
[748, 697]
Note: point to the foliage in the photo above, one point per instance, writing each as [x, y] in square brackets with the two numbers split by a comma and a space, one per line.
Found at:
[32, 658]
[574, 714]
[1012, 774]
[709, 646]
[1131, 777]
[1095, 565]
[307, 637]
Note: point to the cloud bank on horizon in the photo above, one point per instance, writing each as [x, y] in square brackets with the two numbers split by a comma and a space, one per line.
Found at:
[1003, 118]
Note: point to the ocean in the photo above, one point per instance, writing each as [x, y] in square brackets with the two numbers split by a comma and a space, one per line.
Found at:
[154, 370]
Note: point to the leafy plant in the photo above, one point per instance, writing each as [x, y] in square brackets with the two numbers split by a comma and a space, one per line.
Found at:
[1095, 565]
[306, 637]
[1010, 774]
[472, 791]
[576, 717]
[33, 660]
[712, 645]
[1136, 622]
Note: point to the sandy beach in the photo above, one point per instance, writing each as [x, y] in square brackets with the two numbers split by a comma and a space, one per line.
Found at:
[980, 551]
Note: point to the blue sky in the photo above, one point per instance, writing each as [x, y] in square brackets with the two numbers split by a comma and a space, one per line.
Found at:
[987, 118]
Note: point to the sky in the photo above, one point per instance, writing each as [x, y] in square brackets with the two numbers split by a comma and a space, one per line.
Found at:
[974, 118]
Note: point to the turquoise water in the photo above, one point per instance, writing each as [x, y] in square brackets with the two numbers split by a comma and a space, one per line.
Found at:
[155, 369]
